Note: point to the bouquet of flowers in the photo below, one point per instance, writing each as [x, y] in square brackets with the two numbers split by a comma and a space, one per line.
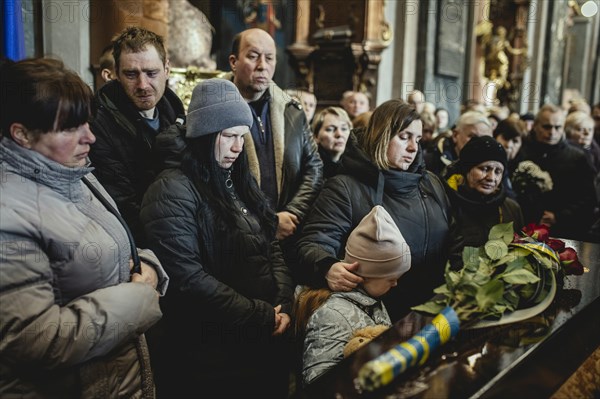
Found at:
[528, 179]
[510, 272]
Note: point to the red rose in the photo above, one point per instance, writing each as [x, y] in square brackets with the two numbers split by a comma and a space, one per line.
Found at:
[557, 245]
[570, 262]
[538, 232]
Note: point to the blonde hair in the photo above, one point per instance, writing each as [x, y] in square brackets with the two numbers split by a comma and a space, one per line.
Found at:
[320, 117]
[575, 119]
[388, 119]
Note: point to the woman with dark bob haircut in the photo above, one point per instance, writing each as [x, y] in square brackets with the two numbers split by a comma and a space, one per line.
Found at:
[76, 293]
[383, 166]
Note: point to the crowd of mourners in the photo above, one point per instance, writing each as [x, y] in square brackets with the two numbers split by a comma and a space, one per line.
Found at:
[229, 247]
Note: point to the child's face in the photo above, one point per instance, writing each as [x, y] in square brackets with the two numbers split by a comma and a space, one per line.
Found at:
[377, 287]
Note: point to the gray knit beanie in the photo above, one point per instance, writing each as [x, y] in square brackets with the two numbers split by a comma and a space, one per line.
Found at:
[216, 104]
[378, 246]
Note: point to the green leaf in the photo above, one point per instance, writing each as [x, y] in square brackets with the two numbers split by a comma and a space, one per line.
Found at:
[442, 289]
[470, 257]
[503, 232]
[430, 307]
[496, 249]
[520, 276]
[452, 279]
[511, 299]
[489, 294]
[518, 263]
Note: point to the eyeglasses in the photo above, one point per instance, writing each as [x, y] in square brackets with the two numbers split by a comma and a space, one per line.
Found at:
[549, 127]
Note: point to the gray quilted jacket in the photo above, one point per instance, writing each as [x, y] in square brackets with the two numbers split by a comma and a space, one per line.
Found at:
[71, 323]
[329, 329]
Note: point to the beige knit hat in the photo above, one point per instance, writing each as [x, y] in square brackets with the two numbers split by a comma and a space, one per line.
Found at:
[378, 246]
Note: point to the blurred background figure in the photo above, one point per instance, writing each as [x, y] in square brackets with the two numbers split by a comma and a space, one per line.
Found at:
[528, 119]
[579, 104]
[429, 129]
[308, 101]
[442, 119]
[362, 120]
[355, 103]
[596, 116]
[579, 128]
[510, 134]
[416, 98]
[107, 65]
[331, 129]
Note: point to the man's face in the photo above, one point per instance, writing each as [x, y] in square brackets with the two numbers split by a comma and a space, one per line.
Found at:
[549, 127]
[144, 77]
[254, 67]
[467, 132]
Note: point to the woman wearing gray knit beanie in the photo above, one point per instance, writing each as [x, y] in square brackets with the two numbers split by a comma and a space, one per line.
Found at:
[230, 292]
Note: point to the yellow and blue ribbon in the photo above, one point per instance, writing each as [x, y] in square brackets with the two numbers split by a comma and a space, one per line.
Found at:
[383, 369]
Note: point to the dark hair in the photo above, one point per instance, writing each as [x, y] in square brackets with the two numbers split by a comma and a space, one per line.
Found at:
[135, 39]
[509, 129]
[43, 95]
[107, 60]
[388, 119]
[235, 45]
[200, 165]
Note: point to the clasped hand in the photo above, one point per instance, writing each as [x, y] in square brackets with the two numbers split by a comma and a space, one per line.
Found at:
[148, 275]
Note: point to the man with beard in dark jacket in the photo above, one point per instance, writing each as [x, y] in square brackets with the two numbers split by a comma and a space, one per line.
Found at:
[568, 207]
[132, 110]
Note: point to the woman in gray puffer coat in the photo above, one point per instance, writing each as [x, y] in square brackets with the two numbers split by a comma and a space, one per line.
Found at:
[72, 314]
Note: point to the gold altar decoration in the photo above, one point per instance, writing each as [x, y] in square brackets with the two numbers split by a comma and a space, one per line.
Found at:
[183, 80]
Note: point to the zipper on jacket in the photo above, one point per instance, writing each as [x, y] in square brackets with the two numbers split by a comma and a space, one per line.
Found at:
[423, 198]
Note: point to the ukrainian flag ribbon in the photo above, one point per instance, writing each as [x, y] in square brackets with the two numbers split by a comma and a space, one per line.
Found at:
[387, 366]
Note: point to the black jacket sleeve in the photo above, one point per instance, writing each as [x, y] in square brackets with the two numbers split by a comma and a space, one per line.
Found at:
[169, 215]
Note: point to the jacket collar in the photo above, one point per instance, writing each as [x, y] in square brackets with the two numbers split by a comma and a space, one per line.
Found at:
[40, 169]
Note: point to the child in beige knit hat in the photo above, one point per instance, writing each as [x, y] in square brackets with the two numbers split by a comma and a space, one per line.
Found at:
[383, 257]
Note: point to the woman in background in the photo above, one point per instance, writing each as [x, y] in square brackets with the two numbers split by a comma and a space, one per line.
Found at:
[331, 128]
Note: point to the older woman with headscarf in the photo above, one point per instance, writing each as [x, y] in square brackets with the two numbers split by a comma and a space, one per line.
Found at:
[476, 191]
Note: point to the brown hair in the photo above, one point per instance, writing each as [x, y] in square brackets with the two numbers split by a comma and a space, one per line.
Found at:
[320, 117]
[307, 302]
[136, 39]
[44, 96]
[388, 119]
[553, 109]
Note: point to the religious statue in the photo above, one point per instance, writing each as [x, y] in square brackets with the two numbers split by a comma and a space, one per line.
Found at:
[495, 62]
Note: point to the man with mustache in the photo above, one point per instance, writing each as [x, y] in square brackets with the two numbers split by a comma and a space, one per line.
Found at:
[132, 110]
[281, 151]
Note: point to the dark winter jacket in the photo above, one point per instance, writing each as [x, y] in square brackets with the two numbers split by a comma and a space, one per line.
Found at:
[440, 154]
[298, 167]
[476, 214]
[572, 198]
[220, 311]
[123, 154]
[417, 202]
